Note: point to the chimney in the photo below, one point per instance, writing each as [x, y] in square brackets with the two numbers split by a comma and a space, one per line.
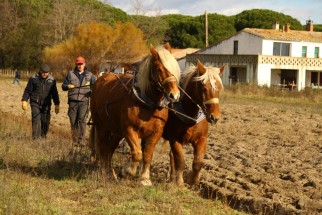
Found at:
[276, 26]
[309, 25]
[287, 27]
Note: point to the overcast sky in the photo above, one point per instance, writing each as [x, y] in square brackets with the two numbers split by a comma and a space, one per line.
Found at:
[301, 10]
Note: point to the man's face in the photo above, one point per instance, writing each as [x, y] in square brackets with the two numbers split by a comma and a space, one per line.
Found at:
[44, 74]
[80, 66]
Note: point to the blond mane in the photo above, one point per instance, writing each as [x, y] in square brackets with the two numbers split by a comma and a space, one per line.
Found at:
[168, 61]
[211, 74]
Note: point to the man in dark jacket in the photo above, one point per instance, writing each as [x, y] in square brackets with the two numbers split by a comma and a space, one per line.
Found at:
[78, 83]
[41, 89]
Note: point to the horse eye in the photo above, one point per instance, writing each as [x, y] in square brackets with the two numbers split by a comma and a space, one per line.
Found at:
[159, 70]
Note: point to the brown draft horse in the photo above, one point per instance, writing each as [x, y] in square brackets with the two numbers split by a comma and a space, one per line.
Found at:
[117, 113]
[203, 84]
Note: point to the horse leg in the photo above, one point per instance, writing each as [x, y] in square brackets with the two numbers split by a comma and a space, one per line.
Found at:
[113, 144]
[133, 140]
[179, 162]
[149, 145]
[105, 152]
[198, 160]
[172, 168]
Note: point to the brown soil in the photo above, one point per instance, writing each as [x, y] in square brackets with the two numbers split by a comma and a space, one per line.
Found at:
[261, 158]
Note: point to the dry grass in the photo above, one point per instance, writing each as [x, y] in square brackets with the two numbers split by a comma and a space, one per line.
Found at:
[51, 177]
[309, 98]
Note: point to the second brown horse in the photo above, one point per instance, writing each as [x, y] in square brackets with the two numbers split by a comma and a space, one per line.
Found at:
[202, 86]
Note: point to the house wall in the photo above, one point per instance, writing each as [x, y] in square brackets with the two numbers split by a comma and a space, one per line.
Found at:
[256, 55]
[296, 48]
[247, 44]
[182, 64]
[264, 75]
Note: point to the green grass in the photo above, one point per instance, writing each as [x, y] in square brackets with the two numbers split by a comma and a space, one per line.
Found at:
[50, 177]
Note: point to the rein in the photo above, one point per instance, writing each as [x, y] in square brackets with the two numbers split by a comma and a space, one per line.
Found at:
[179, 113]
[202, 107]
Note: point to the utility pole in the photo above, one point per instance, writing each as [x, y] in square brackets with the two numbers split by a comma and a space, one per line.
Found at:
[206, 27]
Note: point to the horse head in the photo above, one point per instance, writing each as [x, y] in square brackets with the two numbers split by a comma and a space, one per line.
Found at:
[204, 85]
[166, 72]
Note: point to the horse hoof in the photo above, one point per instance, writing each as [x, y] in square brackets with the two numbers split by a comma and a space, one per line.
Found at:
[180, 184]
[192, 179]
[146, 182]
[114, 176]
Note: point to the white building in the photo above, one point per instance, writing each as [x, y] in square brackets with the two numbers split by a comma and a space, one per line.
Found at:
[281, 57]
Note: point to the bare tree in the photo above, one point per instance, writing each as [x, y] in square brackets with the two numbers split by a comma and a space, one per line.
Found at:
[106, 2]
[138, 7]
[63, 18]
[9, 20]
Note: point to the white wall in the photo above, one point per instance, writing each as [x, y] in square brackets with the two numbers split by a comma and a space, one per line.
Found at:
[182, 64]
[247, 44]
[264, 74]
[253, 45]
[296, 48]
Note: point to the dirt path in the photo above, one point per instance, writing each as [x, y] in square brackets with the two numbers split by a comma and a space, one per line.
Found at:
[261, 158]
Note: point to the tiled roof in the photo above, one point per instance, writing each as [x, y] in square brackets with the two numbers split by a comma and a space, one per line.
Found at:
[180, 53]
[291, 35]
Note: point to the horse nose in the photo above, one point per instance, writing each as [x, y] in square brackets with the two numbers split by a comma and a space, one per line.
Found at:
[174, 97]
[213, 119]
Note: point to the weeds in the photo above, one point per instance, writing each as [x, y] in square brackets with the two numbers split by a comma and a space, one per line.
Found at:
[310, 99]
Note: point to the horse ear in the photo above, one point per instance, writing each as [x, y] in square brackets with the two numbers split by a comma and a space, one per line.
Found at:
[167, 46]
[201, 67]
[222, 69]
[154, 52]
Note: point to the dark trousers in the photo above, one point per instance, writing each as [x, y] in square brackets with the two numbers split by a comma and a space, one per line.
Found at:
[40, 118]
[16, 80]
[78, 112]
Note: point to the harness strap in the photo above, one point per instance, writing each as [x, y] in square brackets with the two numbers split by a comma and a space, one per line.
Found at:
[169, 79]
[212, 101]
[124, 85]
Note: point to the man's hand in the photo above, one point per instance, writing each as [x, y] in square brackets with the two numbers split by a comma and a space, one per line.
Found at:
[56, 109]
[24, 105]
[70, 86]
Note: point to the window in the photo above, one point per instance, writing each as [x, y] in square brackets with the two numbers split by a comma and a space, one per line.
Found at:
[304, 51]
[316, 52]
[235, 47]
[281, 49]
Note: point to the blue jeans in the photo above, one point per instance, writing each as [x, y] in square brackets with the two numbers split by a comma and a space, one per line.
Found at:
[78, 113]
[40, 118]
